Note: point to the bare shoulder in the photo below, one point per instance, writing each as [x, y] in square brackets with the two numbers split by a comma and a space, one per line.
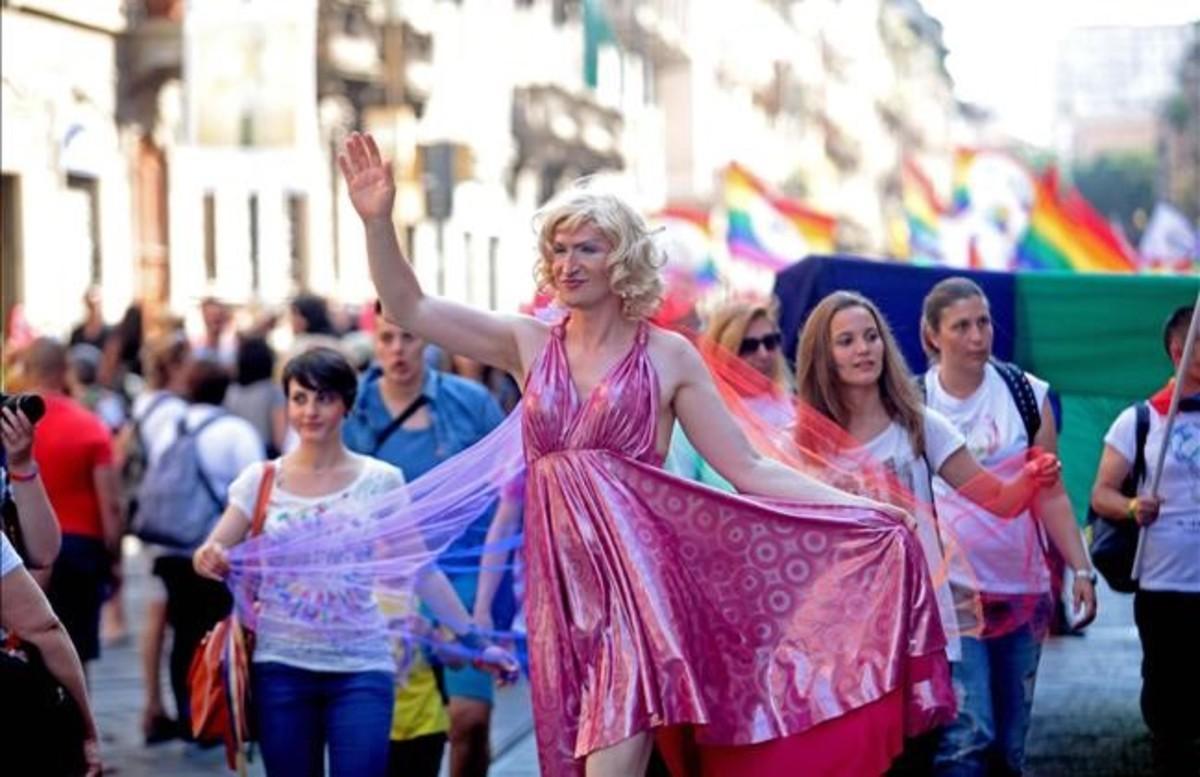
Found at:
[676, 359]
[531, 335]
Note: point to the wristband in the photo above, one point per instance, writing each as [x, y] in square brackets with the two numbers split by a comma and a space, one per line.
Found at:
[1131, 509]
[23, 477]
[472, 640]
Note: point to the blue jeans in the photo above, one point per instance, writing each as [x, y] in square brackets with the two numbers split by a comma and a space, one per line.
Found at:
[994, 686]
[299, 711]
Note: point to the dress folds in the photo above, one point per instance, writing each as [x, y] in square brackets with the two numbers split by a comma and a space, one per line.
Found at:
[754, 636]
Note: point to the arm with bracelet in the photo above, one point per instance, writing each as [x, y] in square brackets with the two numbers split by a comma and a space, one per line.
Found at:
[36, 522]
[439, 596]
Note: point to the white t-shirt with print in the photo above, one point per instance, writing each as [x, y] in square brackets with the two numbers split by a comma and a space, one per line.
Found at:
[999, 555]
[1171, 545]
[892, 448]
[281, 636]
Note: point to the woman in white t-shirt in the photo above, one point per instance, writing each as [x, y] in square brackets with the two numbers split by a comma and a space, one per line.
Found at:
[1004, 565]
[310, 689]
[851, 371]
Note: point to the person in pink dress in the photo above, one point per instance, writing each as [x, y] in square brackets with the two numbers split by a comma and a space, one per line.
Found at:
[795, 629]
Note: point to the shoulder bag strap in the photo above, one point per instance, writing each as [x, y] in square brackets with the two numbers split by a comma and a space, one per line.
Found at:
[264, 496]
[398, 421]
[204, 479]
[1138, 473]
[1023, 395]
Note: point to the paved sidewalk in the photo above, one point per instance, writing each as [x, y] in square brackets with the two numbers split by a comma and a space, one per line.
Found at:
[1085, 720]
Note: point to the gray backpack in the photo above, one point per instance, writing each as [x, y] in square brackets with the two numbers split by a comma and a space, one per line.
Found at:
[177, 503]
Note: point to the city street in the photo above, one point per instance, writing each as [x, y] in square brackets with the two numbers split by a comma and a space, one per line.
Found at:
[1086, 718]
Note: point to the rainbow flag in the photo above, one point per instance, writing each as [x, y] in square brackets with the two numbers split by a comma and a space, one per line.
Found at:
[960, 199]
[769, 229]
[688, 243]
[923, 211]
[1066, 233]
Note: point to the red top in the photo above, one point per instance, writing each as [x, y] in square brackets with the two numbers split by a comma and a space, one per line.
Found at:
[69, 443]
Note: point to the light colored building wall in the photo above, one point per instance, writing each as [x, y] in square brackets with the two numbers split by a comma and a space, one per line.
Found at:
[57, 119]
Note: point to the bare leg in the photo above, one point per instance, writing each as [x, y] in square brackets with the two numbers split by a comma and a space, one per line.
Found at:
[153, 634]
[628, 758]
[470, 745]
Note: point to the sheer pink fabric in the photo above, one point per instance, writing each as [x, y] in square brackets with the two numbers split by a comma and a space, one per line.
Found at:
[656, 602]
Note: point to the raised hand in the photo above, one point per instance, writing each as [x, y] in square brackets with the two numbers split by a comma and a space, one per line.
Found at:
[369, 179]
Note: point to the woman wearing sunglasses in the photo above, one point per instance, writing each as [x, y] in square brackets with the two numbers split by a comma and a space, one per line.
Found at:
[749, 330]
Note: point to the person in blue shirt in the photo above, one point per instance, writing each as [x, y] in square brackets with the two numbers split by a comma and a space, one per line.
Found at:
[415, 417]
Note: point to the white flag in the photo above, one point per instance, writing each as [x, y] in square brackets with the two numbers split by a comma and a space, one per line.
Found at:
[1169, 236]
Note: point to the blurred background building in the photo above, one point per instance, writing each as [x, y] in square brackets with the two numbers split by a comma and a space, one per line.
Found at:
[168, 149]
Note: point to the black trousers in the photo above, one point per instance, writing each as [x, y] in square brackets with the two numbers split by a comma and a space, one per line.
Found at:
[1168, 624]
[194, 605]
[417, 757]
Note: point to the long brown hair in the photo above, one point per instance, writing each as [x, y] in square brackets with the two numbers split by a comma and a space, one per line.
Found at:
[727, 328]
[816, 374]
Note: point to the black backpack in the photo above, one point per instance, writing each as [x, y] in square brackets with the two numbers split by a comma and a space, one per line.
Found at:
[1114, 543]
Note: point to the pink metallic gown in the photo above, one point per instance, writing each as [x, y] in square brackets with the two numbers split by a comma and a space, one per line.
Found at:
[717, 620]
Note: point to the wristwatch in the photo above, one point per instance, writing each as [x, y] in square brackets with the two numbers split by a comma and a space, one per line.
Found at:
[1087, 574]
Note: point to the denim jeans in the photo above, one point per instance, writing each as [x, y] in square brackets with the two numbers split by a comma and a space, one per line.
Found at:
[299, 711]
[994, 686]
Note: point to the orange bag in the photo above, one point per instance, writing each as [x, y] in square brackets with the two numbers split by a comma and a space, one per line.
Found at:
[220, 668]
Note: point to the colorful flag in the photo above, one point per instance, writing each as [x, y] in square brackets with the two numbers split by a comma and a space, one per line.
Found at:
[923, 211]
[1066, 233]
[687, 240]
[768, 229]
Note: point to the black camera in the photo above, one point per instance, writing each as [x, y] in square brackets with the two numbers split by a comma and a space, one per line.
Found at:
[30, 404]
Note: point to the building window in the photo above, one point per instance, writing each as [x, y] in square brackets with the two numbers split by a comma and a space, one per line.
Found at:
[493, 272]
[566, 10]
[298, 238]
[255, 274]
[88, 189]
[469, 262]
[11, 281]
[210, 237]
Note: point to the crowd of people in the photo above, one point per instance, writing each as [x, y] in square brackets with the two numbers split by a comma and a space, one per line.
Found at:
[928, 506]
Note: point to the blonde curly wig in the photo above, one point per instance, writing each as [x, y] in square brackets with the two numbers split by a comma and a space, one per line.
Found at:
[634, 262]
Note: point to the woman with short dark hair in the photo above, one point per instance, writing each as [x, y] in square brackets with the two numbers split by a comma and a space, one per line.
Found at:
[310, 689]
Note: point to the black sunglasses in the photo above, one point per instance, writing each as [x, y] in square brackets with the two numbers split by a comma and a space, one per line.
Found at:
[750, 344]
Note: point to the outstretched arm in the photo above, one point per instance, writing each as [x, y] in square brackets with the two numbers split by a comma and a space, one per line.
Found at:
[485, 337]
[717, 438]
[1006, 498]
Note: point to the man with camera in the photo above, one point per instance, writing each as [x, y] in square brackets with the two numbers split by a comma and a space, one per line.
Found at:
[28, 517]
[45, 733]
[73, 451]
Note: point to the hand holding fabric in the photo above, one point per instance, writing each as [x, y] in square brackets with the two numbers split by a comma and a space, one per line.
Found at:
[211, 560]
[1043, 469]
